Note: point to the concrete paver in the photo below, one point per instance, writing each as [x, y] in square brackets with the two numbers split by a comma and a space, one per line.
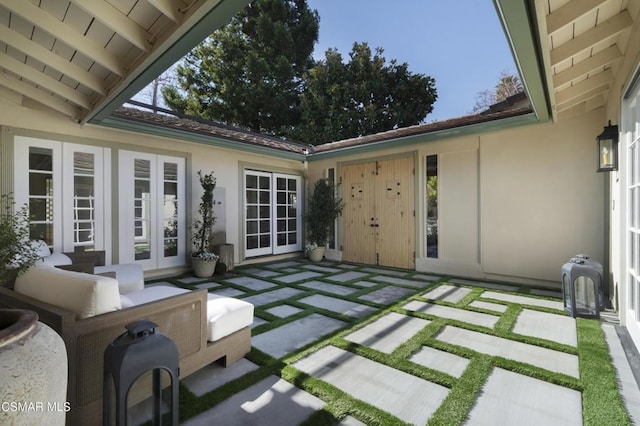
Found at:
[523, 300]
[381, 271]
[386, 295]
[262, 273]
[548, 359]
[451, 364]
[407, 397]
[402, 281]
[270, 402]
[516, 399]
[558, 328]
[329, 288]
[471, 317]
[214, 375]
[447, 293]
[489, 306]
[475, 283]
[294, 335]
[340, 306]
[300, 276]
[272, 296]
[251, 283]
[284, 311]
[347, 276]
[388, 332]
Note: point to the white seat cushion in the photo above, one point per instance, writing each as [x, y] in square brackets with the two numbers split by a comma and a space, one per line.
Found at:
[225, 315]
[130, 276]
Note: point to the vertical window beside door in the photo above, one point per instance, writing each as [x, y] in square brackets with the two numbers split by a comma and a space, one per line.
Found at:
[431, 200]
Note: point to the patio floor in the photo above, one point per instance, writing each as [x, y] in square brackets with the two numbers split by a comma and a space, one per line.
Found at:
[399, 344]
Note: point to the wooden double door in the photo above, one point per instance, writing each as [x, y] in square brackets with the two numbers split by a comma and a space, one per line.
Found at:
[378, 220]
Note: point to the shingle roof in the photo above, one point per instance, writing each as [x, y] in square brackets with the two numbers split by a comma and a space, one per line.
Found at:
[209, 128]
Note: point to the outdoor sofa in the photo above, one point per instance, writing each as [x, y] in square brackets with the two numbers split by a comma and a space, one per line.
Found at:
[90, 310]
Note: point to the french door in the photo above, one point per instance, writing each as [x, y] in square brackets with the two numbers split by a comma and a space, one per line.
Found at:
[631, 144]
[152, 210]
[64, 186]
[272, 213]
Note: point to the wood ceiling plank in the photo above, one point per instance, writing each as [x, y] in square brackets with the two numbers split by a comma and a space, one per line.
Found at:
[606, 29]
[591, 64]
[64, 32]
[44, 80]
[37, 95]
[168, 8]
[582, 98]
[118, 22]
[51, 59]
[583, 87]
[569, 12]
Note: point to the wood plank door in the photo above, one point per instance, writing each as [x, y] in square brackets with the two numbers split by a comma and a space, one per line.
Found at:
[378, 223]
[394, 213]
[358, 234]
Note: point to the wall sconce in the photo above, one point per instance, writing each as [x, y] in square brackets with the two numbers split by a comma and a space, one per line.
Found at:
[608, 149]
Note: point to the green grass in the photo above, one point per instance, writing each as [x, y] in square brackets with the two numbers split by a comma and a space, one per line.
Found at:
[602, 403]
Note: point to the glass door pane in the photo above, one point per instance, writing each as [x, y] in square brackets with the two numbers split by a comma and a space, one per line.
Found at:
[84, 223]
[287, 214]
[142, 209]
[41, 194]
[257, 213]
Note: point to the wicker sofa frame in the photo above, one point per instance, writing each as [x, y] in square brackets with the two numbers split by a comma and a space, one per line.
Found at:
[182, 318]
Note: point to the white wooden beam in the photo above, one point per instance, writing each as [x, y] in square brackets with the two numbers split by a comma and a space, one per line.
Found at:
[602, 31]
[118, 22]
[57, 62]
[587, 66]
[569, 12]
[584, 87]
[582, 98]
[39, 96]
[168, 8]
[41, 79]
[64, 32]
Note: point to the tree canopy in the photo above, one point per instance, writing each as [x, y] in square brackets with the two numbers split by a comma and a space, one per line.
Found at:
[258, 73]
[508, 85]
[249, 73]
[363, 96]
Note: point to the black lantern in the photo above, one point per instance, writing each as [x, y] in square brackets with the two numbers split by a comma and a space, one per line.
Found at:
[131, 354]
[608, 149]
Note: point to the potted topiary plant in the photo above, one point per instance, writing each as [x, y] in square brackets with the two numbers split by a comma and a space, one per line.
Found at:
[203, 259]
[322, 211]
[16, 253]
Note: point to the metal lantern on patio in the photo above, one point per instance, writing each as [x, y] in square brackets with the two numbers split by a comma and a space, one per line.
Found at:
[131, 354]
[582, 287]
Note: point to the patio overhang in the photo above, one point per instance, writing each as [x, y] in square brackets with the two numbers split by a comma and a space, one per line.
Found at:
[85, 58]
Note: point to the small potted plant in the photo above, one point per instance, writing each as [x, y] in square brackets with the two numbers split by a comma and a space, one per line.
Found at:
[323, 209]
[203, 259]
[17, 254]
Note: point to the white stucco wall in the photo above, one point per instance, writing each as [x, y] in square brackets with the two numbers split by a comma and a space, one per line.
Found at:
[514, 205]
[226, 163]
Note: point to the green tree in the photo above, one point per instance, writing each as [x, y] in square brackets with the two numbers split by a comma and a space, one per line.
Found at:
[363, 96]
[249, 73]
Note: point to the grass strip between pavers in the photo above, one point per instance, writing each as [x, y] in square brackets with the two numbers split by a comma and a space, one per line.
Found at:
[602, 403]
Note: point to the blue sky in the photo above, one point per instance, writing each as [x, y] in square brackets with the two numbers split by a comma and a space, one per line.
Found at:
[460, 43]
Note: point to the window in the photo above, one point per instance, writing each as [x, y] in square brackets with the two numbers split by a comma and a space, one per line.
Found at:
[272, 220]
[431, 201]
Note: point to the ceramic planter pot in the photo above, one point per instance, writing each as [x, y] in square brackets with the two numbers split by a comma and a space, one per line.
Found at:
[203, 268]
[316, 254]
[33, 371]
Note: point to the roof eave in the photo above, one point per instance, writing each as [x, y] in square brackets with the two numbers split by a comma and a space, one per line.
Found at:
[519, 24]
[208, 18]
[461, 131]
[195, 137]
